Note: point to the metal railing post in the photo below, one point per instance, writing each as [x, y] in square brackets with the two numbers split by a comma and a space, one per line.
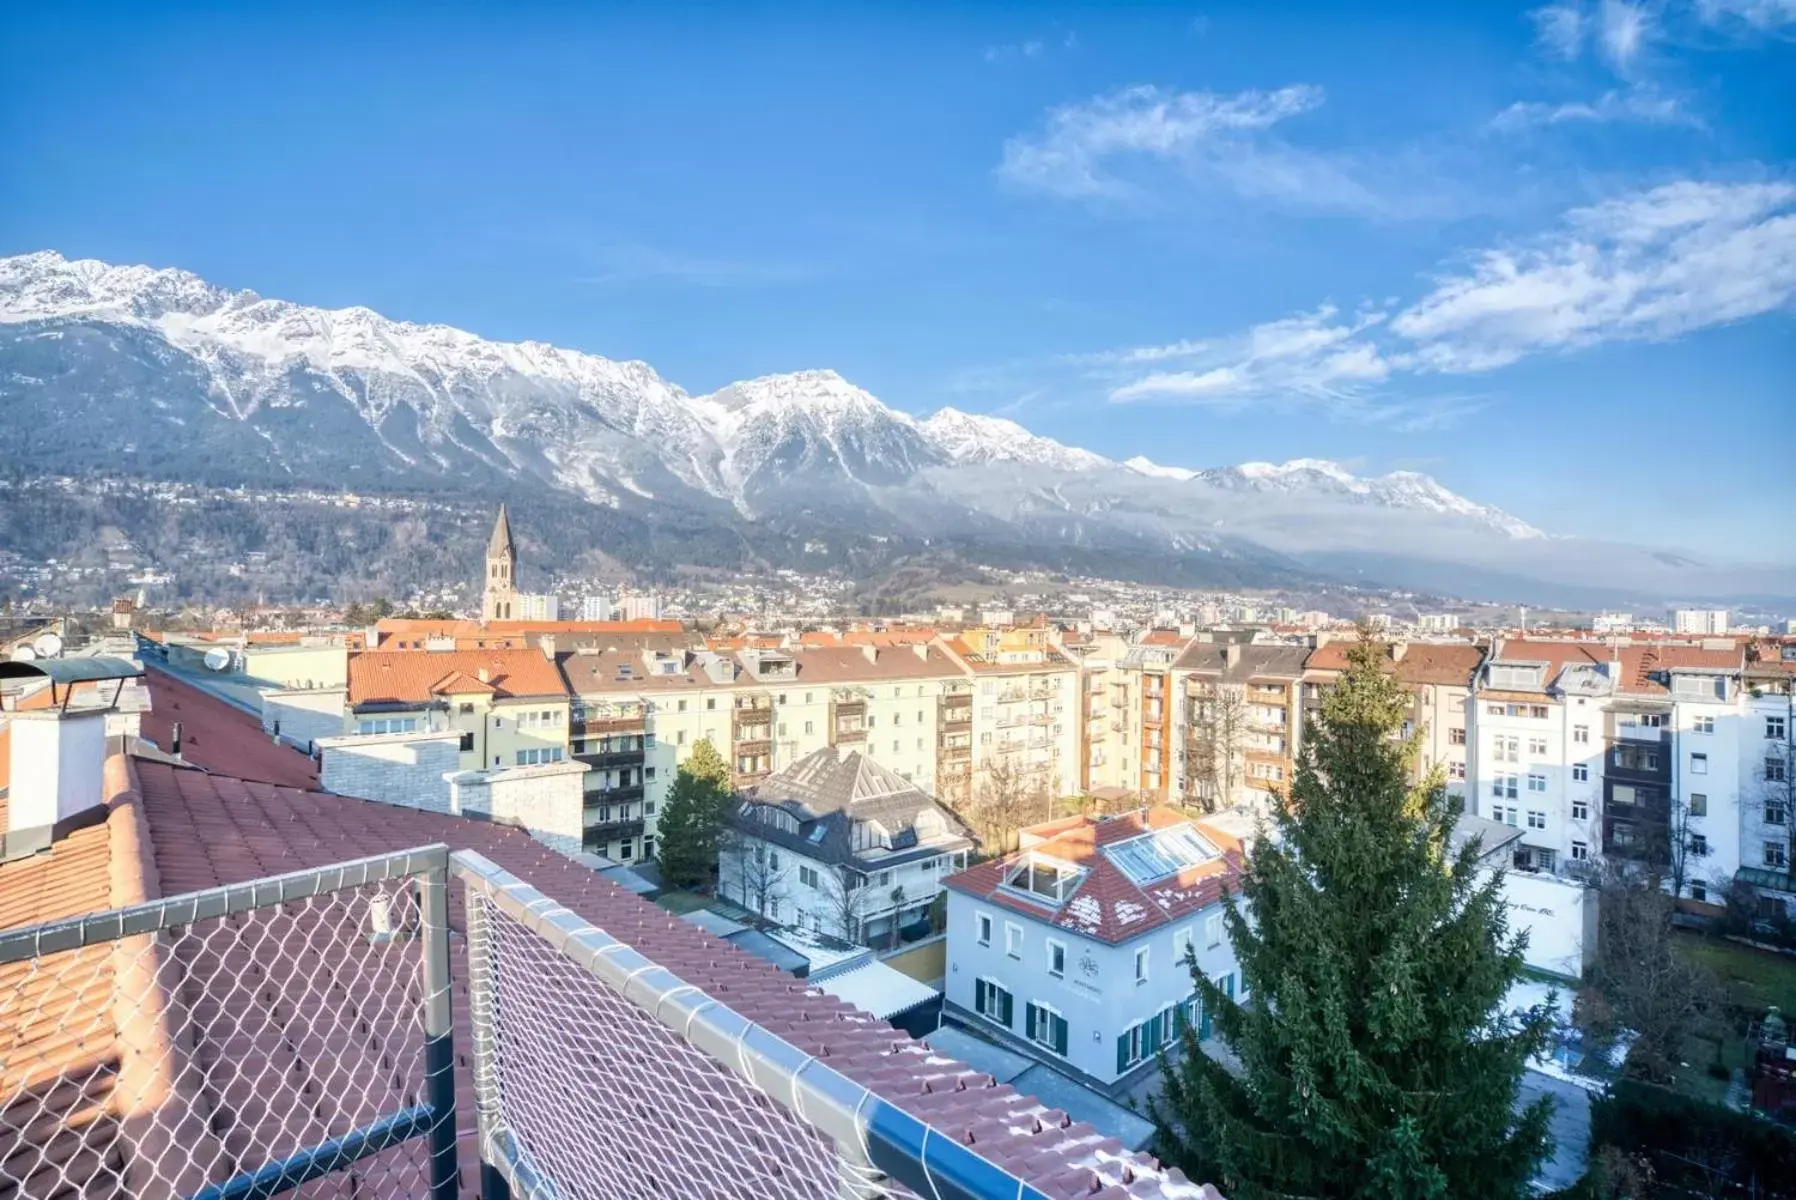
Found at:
[439, 1031]
[493, 1185]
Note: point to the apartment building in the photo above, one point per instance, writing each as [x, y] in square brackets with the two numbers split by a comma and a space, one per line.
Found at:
[1240, 716]
[1075, 948]
[839, 844]
[1149, 714]
[1438, 676]
[1767, 772]
[1025, 706]
[1102, 749]
[508, 707]
[1709, 621]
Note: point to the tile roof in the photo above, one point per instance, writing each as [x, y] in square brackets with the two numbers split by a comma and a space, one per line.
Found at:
[416, 676]
[836, 788]
[1251, 661]
[191, 829]
[1107, 904]
[1446, 663]
[217, 735]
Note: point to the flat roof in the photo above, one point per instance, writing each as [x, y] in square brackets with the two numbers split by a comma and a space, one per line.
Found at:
[876, 988]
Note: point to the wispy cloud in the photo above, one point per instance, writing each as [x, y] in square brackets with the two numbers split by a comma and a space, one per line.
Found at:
[1028, 49]
[635, 262]
[1649, 266]
[1646, 266]
[1619, 31]
[1768, 15]
[1638, 105]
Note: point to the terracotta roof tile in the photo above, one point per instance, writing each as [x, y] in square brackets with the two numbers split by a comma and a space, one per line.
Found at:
[411, 676]
[217, 735]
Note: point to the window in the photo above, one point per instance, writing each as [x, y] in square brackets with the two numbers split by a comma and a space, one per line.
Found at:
[1774, 769]
[1056, 959]
[1775, 812]
[1045, 1027]
[1699, 764]
[1536, 820]
[1699, 804]
[1504, 814]
[1141, 965]
[1703, 725]
[1181, 944]
[1455, 770]
[807, 726]
[1538, 711]
[1775, 728]
[1537, 747]
[1699, 845]
[1580, 810]
[808, 876]
[1581, 734]
[1506, 749]
[711, 704]
[529, 758]
[1013, 940]
[648, 773]
[1776, 855]
[1537, 783]
[1580, 852]
[1130, 1047]
[387, 725]
[897, 718]
[985, 929]
[1581, 772]
[680, 738]
[1213, 929]
[467, 741]
[466, 707]
[1699, 891]
[991, 1001]
[1495, 710]
[1455, 736]
[1503, 786]
[680, 706]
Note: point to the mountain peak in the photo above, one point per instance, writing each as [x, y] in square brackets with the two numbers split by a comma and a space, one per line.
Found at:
[1321, 466]
[1142, 465]
[978, 438]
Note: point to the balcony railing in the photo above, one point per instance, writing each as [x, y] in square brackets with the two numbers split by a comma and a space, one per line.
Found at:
[314, 1029]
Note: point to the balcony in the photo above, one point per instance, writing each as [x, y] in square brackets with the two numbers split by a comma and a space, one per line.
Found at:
[845, 734]
[587, 1069]
[597, 835]
[613, 795]
[611, 759]
[580, 727]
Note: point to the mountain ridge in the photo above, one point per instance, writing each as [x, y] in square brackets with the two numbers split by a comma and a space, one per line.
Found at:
[158, 370]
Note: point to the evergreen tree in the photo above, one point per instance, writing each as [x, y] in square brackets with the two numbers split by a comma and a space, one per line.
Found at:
[690, 828]
[1374, 1058]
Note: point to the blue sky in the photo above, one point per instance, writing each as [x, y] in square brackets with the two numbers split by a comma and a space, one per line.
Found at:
[1546, 254]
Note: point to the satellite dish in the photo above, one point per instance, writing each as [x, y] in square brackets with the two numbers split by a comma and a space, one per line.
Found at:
[23, 653]
[217, 659]
[47, 645]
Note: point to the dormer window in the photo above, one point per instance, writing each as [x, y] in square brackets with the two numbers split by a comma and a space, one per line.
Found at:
[1521, 677]
[1049, 880]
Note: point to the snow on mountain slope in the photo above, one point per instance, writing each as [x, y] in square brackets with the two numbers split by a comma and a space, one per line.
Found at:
[441, 401]
[1142, 465]
[969, 438]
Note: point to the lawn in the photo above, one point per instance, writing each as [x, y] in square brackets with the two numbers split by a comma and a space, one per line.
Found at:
[1754, 979]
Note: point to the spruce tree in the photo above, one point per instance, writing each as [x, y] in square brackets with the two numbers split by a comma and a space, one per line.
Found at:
[690, 827]
[1373, 1055]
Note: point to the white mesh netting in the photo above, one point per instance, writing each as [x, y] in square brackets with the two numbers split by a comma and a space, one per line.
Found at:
[608, 1103]
[156, 1065]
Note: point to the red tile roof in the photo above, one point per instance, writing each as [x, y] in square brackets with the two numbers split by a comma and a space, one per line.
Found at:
[1443, 663]
[416, 676]
[217, 735]
[1107, 904]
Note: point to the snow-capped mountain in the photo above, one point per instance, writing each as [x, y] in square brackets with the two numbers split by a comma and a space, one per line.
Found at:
[157, 371]
[969, 438]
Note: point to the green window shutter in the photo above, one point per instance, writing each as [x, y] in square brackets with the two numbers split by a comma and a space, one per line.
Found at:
[1059, 1034]
[1180, 1019]
[1029, 1021]
[1150, 1037]
[979, 996]
[1203, 1027]
[1008, 1009]
[1122, 1054]
[1228, 984]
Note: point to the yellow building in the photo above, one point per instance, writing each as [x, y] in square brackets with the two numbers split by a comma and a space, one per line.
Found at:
[509, 706]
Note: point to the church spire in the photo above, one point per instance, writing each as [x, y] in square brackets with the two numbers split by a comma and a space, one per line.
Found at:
[500, 543]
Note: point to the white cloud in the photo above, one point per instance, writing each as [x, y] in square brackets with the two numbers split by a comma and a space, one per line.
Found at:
[1643, 105]
[1074, 154]
[1760, 14]
[1560, 29]
[1646, 266]
[1650, 266]
[1625, 29]
[1309, 356]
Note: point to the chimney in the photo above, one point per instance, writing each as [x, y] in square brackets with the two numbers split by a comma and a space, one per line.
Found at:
[870, 653]
[1232, 652]
[546, 643]
[484, 674]
[922, 649]
[58, 764]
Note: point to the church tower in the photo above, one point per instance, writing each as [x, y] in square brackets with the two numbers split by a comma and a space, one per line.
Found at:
[501, 572]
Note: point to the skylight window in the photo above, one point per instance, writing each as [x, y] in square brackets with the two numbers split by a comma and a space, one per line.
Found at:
[1048, 880]
[1157, 855]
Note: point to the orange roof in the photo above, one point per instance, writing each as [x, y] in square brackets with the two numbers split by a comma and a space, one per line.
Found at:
[415, 676]
[1164, 637]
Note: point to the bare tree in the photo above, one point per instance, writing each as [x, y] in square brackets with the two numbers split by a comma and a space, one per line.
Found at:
[1009, 796]
[1213, 759]
[755, 871]
[1640, 983]
[845, 897]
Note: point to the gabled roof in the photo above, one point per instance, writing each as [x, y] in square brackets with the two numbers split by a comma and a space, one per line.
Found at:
[1448, 664]
[413, 676]
[1251, 661]
[1107, 904]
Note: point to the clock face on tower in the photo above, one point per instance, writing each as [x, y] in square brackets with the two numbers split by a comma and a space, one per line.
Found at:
[1088, 966]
